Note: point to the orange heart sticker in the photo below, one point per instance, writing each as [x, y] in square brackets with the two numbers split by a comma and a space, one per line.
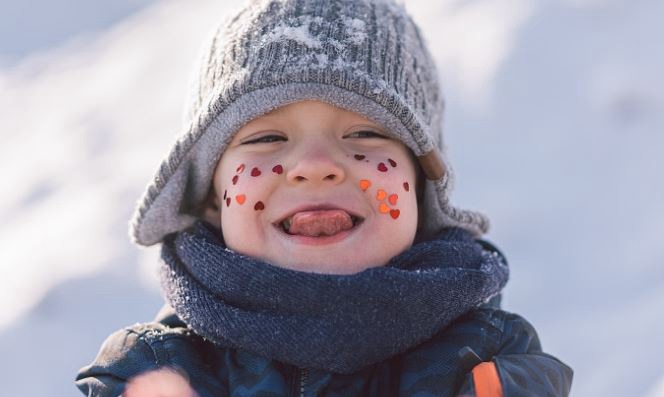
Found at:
[380, 195]
[393, 199]
[240, 198]
[395, 214]
[383, 208]
[364, 184]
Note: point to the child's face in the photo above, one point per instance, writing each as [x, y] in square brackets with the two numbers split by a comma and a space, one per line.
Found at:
[346, 190]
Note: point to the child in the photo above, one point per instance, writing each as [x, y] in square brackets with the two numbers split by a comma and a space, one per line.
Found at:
[308, 244]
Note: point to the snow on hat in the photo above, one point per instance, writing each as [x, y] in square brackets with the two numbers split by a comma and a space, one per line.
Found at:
[366, 56]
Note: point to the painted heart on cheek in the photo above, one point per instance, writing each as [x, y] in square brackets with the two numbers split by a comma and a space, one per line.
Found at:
[259, 206]
[240, 169]
[359, 157]
[278, 169]
[382, 167]
[235, 178]
[406, 186]
[228, 202]
[255, 171]
[392, 163]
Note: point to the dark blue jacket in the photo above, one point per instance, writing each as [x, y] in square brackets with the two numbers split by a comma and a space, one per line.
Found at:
[439, 367]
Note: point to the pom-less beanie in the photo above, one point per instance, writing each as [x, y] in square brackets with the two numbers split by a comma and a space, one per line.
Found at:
[366, 56]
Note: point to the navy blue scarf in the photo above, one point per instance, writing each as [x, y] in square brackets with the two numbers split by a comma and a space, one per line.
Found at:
[337, 323]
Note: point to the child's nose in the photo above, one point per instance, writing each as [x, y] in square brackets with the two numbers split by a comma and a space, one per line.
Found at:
[316, 166]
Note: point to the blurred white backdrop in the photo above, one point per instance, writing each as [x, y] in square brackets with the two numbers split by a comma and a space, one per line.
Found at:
[554, 123]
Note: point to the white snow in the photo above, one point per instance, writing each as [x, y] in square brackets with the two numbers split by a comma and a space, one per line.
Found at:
[470, 41]
[300, 30]
[356, 30]
[28, 26]
[299, 34]
[658, 389]
[553, 124]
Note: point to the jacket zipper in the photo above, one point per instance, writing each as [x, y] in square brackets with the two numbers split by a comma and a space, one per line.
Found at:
[303, 377]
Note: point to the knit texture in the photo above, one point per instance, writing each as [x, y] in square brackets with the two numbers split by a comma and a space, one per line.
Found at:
[367, 56]
[337, 323]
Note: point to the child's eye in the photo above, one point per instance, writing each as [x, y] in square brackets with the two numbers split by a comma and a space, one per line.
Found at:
[366, 134]
[266, 139]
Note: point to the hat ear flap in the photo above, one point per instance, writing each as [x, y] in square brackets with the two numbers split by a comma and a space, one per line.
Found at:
[210, 209]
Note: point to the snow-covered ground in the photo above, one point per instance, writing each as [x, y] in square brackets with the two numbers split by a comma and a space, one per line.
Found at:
[554, 125]
[34, 25]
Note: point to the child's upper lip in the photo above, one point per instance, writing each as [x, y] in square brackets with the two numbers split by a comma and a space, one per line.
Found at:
[319, 207]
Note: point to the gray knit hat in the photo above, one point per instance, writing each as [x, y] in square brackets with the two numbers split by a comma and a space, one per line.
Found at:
[367, 56]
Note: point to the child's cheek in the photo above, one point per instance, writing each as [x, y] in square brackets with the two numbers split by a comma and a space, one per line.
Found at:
[388, 185]
[245, 188]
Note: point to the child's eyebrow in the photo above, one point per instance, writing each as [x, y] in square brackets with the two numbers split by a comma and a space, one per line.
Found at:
[368, 124]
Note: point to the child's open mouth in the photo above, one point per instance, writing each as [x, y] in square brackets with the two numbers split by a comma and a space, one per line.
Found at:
[319, 222]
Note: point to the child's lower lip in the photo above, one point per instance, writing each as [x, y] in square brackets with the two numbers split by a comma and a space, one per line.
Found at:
[321, 240]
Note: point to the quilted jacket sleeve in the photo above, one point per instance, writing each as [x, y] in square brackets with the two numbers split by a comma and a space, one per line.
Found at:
[522, 367]
[144, 347]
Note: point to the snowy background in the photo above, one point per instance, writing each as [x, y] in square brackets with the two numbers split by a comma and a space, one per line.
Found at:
[555, 123]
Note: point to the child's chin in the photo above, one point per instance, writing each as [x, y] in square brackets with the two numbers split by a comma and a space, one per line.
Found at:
[341, 253]
[326, 267]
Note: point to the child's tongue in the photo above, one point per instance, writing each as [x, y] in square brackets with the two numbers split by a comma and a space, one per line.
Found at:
[320, 222]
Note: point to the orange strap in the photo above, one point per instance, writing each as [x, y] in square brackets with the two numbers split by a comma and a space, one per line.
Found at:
[487, 382]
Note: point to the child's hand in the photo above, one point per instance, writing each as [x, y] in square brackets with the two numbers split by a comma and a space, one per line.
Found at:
[164, 382]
